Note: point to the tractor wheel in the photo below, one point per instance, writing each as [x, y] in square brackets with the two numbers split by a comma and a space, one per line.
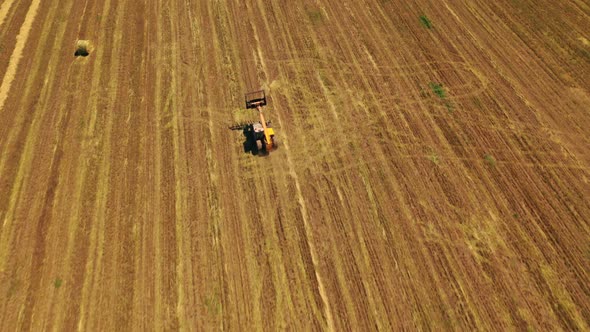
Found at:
[259, 144]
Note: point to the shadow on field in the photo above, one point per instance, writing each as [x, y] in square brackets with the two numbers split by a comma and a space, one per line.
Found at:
[249, 140]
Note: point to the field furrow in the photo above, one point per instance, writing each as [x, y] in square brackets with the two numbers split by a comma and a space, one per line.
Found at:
[432, 169]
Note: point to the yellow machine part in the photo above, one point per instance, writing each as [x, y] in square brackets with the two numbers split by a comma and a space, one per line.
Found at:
[269, 133]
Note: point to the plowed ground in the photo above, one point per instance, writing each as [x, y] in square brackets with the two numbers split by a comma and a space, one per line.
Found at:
[429, 178]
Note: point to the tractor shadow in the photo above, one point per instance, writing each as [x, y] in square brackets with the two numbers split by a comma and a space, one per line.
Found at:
[250, 142]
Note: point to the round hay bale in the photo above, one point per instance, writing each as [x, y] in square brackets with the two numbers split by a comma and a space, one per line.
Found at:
[82, 48]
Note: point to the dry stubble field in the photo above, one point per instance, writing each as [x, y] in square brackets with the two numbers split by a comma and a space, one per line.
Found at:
[427, 178]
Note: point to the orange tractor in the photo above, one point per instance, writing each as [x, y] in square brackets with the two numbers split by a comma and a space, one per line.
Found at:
[262, 132]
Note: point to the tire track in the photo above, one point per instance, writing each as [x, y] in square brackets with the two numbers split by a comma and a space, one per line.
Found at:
[77, 249]
[27, 177]
[25, 158]
[361, 293]
[9, 170]
[17, 54]
[4, 8]
[94, 264]
[158, 102]
[300, 199]
[287, 288]
[313, 119]
[454, 270]
[178, 145]
[166, 177]
[368, 292]
[508, 74]
[208, 267]
[58, 226]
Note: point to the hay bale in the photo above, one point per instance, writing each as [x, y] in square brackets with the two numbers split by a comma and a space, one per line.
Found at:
[82, 48]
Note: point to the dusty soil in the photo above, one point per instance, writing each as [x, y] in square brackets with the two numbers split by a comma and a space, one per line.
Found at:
[426, 178]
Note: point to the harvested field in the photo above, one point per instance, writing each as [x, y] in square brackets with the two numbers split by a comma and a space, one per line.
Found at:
[432, 172]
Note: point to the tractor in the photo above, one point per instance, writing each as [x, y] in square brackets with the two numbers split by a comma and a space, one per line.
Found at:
[261, 133]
